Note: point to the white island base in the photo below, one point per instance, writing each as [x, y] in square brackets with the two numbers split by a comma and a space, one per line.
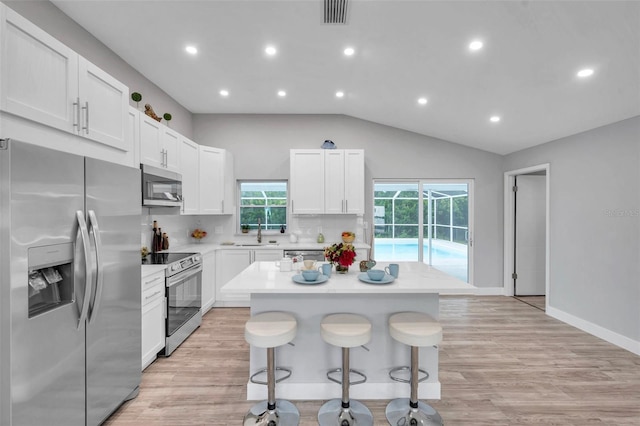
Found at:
[311, 357]
[416, 289]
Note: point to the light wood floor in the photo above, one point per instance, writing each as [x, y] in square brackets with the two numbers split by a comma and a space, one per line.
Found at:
[535, 301]
[502, 362]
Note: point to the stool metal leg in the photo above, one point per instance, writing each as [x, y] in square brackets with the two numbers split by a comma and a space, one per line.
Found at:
[272, 412]
[345, 411]
[410, 411]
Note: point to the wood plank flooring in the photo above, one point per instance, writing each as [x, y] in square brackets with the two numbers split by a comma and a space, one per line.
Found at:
[502, 362]
[535, 301]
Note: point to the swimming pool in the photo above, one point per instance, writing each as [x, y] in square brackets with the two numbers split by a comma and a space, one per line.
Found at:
[447, 256]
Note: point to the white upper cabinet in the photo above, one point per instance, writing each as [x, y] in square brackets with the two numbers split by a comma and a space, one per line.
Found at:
[189, 168]
[354, 181]
[159, 145]
[334, 181]
[170, 141]
[327, 181]
[217, 182]
[104, 106]
[44, 81]
[306, 181]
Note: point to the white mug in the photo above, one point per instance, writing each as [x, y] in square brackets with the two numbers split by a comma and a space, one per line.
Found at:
[285, 264]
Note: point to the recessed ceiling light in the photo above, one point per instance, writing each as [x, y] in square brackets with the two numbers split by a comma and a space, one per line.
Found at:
[270, 50]
[494, 119]
[585, 72]
[339, 94]
[349, 51]
[191, 49]
[422, 101]
[224, 93]
[475, 45]
[282, 93]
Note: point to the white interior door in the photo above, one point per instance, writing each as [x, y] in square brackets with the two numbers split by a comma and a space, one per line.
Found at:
[530, 235]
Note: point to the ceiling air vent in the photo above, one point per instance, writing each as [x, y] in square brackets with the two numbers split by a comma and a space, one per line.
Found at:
[335, 11]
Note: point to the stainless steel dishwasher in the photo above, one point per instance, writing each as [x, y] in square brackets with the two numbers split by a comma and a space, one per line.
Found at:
[317, 255]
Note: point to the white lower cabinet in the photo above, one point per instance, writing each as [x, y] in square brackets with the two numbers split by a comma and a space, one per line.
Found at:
[231, 263]
[153, 316]
[266, 255]
[208, 281]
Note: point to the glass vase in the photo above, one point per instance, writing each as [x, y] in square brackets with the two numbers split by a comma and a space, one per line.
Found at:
[341, 269]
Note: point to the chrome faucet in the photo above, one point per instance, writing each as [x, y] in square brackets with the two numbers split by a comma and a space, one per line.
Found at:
[259, 232]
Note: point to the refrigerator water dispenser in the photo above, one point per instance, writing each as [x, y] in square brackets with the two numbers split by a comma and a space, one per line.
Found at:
[50, 277]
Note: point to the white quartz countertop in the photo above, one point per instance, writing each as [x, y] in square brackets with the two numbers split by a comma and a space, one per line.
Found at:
[414, 277]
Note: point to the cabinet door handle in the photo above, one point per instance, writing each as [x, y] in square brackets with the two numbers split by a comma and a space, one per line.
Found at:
[222, 205]
[346, 206]
[76, 115]
[162, 158]
[153, 295]
[86, 117]
[154, 280]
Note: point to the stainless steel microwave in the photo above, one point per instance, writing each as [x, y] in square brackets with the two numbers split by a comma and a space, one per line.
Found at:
[161, 187]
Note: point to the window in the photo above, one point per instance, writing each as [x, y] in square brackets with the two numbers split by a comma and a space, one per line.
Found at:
[264, 200]
[428, 214]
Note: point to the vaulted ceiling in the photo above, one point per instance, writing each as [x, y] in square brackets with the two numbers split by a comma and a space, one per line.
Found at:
[525, 73]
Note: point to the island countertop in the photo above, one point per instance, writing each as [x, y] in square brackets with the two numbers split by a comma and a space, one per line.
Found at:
[414, 277]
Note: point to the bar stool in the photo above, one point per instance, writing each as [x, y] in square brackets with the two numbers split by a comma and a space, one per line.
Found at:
[414, 329]
[269, 330]
[345, 331]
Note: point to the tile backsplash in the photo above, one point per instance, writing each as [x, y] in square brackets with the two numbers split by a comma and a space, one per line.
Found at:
[223, 228]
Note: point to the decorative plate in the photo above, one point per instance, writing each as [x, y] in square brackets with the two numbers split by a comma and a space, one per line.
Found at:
[387, 279]
[299, 279]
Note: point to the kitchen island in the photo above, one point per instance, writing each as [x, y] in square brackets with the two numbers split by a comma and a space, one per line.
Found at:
[417, 288]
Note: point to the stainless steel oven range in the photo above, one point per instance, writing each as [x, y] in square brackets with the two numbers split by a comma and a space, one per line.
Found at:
[183, 283]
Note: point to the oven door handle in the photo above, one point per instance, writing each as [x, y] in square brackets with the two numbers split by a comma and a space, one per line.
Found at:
[178, 278]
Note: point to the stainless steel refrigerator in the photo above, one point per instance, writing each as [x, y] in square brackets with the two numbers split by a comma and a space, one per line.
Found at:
[70, 318]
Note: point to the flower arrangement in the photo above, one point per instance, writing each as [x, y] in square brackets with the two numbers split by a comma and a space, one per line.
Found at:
[198, 234]
[341, 254]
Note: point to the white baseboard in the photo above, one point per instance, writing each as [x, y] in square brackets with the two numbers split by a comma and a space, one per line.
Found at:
[489, 291]
[624, 342]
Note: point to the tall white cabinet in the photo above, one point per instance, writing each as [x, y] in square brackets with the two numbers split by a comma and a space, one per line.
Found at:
[217, 191]
[327, 181]
[44, 81]
[190, 170]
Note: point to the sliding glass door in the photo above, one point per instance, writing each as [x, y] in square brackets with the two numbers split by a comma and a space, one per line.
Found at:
[425, 221]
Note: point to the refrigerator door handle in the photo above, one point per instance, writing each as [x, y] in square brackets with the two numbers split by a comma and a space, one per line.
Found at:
[95, 230]
[84, 233]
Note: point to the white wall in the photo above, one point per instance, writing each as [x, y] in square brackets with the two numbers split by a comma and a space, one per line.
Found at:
[261, 143]
[48, 17]
[594, 263]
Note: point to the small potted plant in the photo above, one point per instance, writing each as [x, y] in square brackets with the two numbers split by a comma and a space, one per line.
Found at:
[245, 228]
[167, 117]
[136, 97]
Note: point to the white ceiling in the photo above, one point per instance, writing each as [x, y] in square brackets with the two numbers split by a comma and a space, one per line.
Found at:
[526, 72]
